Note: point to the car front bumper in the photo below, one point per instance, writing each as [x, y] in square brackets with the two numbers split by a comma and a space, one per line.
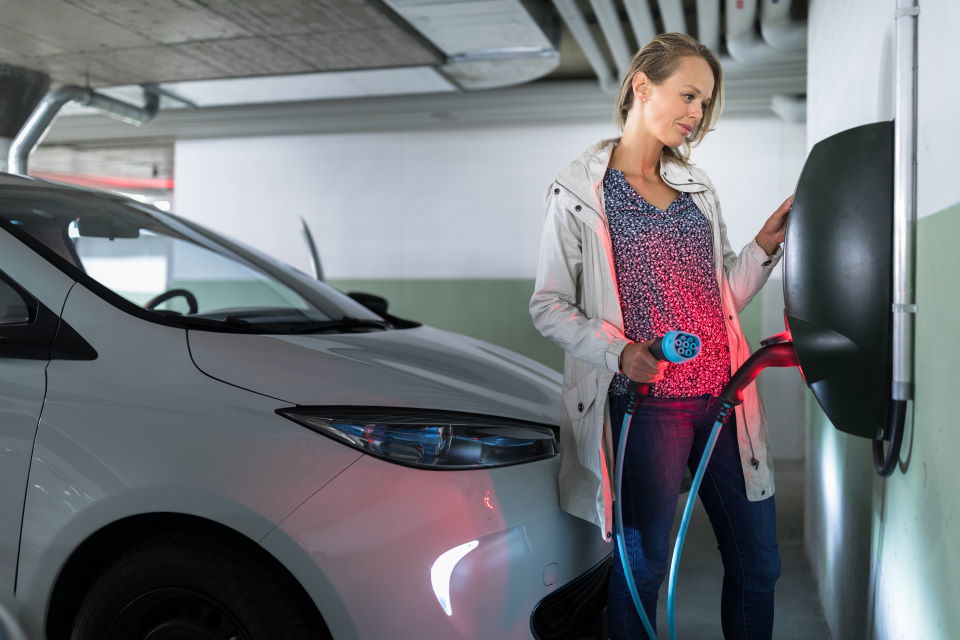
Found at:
[388, 551]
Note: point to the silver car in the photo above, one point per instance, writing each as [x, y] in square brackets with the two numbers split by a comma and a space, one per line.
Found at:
[199, 441]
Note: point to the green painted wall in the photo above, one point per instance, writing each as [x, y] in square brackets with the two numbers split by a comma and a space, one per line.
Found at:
[492, 310]
[751, 318]
[885, 551]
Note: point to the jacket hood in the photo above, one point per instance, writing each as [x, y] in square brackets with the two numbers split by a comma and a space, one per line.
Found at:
[581, 176]
[420, 368]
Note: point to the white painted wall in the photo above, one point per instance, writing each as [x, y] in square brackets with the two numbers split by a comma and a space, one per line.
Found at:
[884, 551]
[458, 203]
[465, 203]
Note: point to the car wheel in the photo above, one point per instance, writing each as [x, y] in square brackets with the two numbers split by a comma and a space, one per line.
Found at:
[196, 587]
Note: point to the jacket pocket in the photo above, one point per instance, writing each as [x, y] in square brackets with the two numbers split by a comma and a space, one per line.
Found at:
[579, 399]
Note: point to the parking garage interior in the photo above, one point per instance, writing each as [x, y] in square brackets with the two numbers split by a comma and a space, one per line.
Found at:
[401, 148]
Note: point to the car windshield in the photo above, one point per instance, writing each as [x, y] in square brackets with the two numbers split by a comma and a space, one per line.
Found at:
[177, 269]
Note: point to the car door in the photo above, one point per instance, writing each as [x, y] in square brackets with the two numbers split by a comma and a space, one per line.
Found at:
[22, 385]
[32, 293]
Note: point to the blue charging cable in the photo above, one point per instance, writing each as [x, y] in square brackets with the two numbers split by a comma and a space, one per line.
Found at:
[723, 416]
[677, 347]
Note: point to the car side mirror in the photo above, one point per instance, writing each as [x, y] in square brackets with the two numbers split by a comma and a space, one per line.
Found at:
[375, 303]
[379, 304]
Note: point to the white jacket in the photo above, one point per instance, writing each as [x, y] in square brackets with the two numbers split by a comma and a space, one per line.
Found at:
[576, 304]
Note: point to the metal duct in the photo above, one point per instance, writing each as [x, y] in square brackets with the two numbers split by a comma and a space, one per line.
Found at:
[641, 20]
[671, 11]
[790, 108]
[496, 68]
[46, 110]
[612, 30]
[577, 23]
[778, 30]
[495, 43]
[775, 65]
[783, 71]
[743, 43]
[708, 23]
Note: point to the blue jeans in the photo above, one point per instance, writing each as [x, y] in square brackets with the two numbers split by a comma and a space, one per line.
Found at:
[666, 435]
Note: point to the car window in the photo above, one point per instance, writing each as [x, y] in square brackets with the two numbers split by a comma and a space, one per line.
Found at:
[144, 267]
[13, 308]
[176, 269]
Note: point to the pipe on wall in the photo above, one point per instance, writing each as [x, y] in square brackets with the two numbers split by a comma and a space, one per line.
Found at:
[904, 198]
[44, 113]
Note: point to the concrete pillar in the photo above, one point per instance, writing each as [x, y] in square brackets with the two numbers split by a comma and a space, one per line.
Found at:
[20, 91]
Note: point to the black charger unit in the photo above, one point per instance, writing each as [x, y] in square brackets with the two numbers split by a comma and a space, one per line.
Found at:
[838, 280]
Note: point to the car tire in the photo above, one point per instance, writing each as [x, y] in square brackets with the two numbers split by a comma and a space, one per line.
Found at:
[195, 586]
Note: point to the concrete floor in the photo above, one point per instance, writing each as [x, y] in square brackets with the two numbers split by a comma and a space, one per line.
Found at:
[798, 614]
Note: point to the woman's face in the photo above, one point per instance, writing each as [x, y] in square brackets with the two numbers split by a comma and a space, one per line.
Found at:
[672, 109]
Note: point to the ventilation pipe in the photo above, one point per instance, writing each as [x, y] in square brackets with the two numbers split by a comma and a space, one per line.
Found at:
[790, 108]
[641, 20]
[671, 11]
[43, 114]
[708, 23]
[744, 45]
[778, 30]
[612, 30]
[746, 48]
[577, 23]
[486, 44]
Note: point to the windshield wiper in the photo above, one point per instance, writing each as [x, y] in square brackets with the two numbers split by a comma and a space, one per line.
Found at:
[292, 327]
[345, 323]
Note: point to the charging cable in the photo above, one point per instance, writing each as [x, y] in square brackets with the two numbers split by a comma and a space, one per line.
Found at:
[776, 351]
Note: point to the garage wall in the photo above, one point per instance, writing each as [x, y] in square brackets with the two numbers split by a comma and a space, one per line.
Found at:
[446, 223]
[884, 551]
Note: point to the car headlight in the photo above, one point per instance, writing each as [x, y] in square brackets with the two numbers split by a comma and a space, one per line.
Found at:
[430, 439]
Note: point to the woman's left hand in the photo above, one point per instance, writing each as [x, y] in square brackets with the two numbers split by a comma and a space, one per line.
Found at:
[775, 228]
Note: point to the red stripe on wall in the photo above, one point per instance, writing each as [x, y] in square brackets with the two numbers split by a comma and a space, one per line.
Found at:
[107, 182]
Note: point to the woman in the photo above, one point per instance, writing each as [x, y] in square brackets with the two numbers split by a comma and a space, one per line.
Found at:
[634, 245]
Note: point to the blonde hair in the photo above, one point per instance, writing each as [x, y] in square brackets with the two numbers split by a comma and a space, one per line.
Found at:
[659, 58]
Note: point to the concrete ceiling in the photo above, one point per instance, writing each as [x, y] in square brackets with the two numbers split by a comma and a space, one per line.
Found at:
[106, 43]
[118, 42]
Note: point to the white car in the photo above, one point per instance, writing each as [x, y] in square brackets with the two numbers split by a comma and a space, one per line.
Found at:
[197, 441]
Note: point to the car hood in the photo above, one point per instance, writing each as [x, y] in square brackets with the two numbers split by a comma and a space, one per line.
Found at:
[422, 367]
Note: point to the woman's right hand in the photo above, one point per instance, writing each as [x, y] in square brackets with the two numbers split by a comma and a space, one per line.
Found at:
[638, 364]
